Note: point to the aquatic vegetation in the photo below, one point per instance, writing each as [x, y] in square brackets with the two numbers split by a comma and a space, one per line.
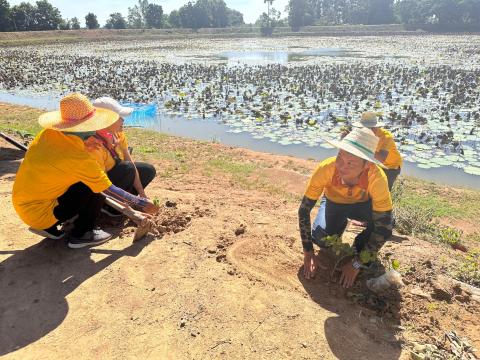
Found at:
[422, 87]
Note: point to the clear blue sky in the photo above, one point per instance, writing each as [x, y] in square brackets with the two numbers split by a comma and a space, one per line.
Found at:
[251, 9]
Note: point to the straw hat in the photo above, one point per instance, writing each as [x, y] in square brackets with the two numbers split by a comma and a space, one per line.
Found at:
[114, 105]
[360, 142]
[368, 120]
[77, 114]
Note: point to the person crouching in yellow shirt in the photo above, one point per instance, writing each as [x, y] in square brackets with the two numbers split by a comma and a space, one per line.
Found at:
[58, 180]
[351, 186]
[386, 152]
[110, 148]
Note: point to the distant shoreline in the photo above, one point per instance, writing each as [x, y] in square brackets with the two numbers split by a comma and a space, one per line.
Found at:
[68, 36]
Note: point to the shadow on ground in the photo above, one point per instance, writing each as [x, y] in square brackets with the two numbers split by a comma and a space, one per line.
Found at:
[351, 334]
[35, 283]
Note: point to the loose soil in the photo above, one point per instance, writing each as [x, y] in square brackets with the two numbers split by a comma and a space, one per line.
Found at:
[221, 279]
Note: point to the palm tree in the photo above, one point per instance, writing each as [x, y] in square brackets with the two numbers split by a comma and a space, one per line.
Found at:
[269, 3]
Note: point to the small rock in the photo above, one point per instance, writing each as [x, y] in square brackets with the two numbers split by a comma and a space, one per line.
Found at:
[440, 292]
[428, 264]
[152, 289]
[183, 323]
[212, 250]
[464, 298]
[304, 345]
[221, 258]
[240, 230]
[220, 246]
[171, 204]
[231, 272]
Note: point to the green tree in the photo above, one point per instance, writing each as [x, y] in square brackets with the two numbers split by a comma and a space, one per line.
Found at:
[91, 21]
[216, 11]
[448, 12]
[154, 16]
[135, 20]
[116, 21]
[193, 16]
[47, 17]
[174, 19]
[297, 10]
[269, 3]
[235, 18]
[65, 25]
[22, 16]
[5, 23]
[75, 24]
[380, 12]
[471, 12]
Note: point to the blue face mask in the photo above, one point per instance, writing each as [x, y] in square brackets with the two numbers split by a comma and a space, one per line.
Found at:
[82, 135]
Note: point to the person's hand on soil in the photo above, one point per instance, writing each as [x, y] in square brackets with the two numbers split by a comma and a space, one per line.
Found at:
[310, 265]
[349, 274]
[150, 207]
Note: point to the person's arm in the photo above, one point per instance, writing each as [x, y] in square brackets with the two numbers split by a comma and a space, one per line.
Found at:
[135, 202]
[383, 227]
[310, 261]
[381, 155]
[137, 184]
[304, 222]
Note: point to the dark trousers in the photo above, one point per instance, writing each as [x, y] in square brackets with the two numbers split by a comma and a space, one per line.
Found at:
[332, 219]
[79, 200]
[392, 175]
[123, 175]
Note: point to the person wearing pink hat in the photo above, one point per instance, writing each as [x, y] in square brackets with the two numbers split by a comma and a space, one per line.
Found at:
[351, 185]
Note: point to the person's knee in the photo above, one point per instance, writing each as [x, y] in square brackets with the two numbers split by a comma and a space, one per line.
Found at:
[128, 170]
[147, 173]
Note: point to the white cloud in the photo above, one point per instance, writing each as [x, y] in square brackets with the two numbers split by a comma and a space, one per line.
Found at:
[251, 9]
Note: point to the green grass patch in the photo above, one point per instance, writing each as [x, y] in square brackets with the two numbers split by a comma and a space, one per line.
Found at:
[19, 119]
[230, 166]
[441, 201]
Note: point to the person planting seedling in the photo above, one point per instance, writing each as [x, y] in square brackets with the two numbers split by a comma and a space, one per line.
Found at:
[60, 182]
[350, 186]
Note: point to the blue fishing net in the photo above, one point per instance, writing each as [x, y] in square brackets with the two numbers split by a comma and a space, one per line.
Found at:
[142, 115]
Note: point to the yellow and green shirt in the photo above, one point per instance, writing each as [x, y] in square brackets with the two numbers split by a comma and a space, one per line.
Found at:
[372, 185]
[387, 143]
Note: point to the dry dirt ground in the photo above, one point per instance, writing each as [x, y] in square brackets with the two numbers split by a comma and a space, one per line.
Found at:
[222, 281]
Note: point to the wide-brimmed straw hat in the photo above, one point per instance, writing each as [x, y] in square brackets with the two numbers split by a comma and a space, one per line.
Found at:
[114, 105]
[360, 142]
[369, 120]
[77, 114]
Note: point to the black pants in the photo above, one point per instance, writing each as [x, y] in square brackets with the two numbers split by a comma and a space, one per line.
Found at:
[79, 200]
[123, 175]
[332, 219]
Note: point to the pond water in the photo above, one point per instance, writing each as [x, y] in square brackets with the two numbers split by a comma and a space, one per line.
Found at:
[283, 57]
[214, 130]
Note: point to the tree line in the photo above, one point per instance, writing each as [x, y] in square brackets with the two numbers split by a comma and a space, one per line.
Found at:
[144, 15]
[439, 15]
[435, 15]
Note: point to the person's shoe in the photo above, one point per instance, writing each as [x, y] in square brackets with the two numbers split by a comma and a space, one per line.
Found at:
[51, 233]
[90, 238]
[111, 212]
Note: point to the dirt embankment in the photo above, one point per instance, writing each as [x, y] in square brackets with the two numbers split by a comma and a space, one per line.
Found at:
[223, 280]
